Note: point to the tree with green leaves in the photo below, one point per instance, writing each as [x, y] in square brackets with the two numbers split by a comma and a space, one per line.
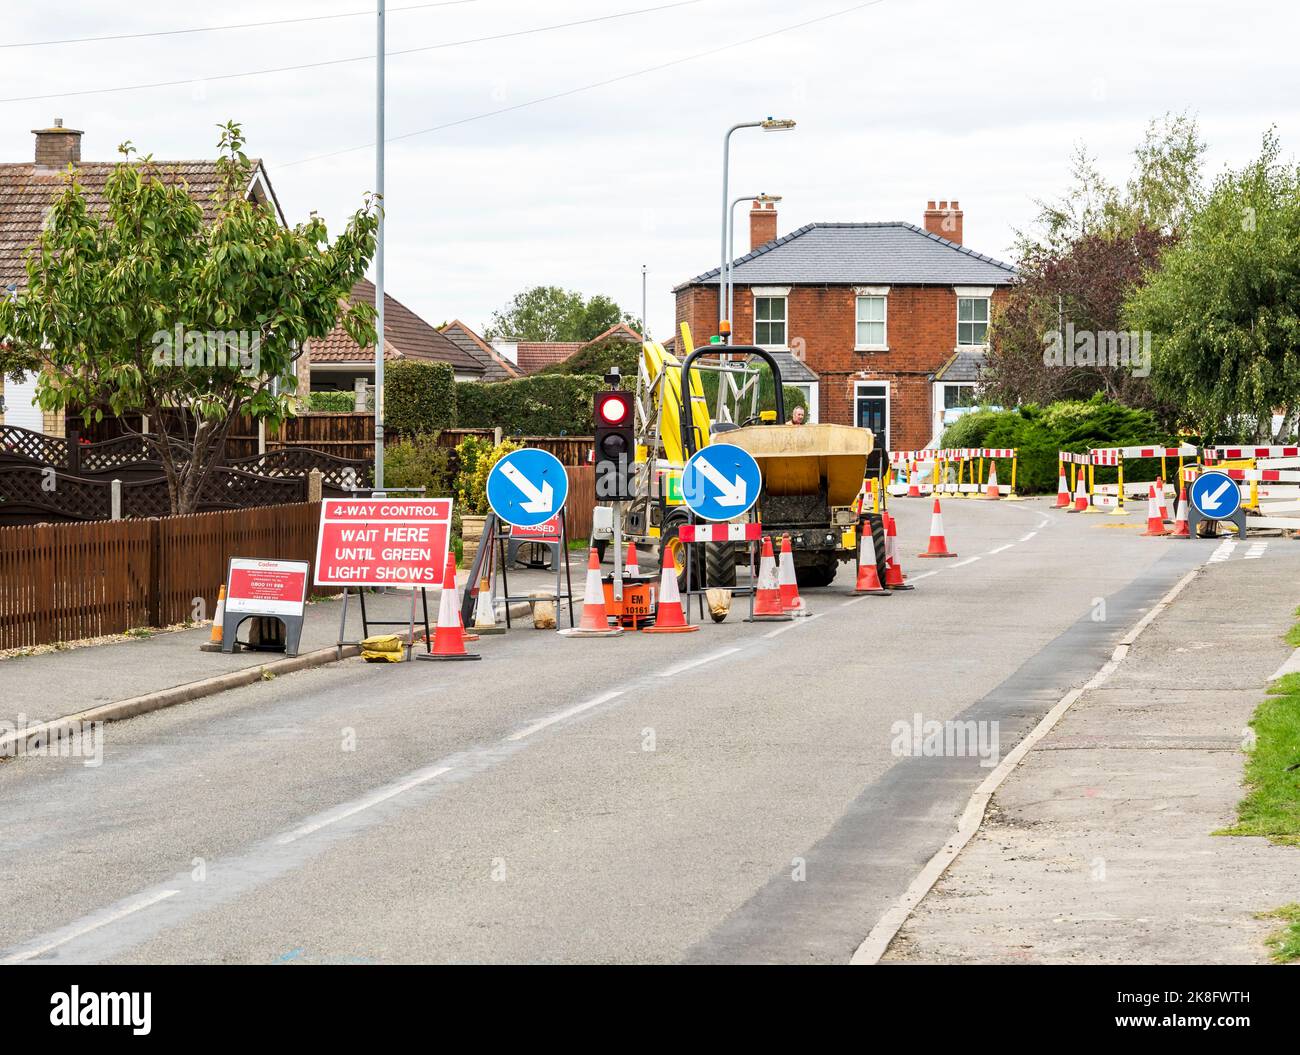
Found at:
[1224, 308]
[548, 313]
[150, 307]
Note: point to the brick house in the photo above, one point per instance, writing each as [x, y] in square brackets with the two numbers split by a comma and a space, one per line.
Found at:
[27, 190]
[889, 318]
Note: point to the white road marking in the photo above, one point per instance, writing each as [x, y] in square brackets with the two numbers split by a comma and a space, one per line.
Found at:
[1256, 551]
[698, 662]
[1026, 538]
[1222, 552]
[135, 906]
[999, 549]
[383, 795]
[800, 621]
[923, 575]
[538, 726]
[963, 563]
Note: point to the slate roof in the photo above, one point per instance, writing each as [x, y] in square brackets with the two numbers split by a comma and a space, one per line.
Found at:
[27, 190]
[793, 372]
[496, 367]
[406, 336]
[965, 364]
[892, 253]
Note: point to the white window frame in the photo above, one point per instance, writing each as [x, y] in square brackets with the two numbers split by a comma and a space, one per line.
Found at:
[858, 393]
[770, 293]
[860, 292]
[811, 392]
[984, 293]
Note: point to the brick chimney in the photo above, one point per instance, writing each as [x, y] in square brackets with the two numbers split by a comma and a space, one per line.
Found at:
[762, 224]
[944, 220]
[57, 147]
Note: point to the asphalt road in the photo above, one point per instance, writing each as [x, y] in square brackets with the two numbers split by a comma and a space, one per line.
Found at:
[734, 794]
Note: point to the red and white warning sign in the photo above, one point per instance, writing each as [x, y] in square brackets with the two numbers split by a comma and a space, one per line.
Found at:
[383, 541]
[266, 587]
[549, 531]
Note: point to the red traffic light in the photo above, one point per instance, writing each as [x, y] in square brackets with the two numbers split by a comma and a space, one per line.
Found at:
[613, 408]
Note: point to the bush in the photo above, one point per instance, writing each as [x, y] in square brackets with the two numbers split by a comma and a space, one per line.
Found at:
[333, 402]
[419, 462]
[419, 397]
[538, 405]
[471, 486]
[595, 359]
[1040, 433]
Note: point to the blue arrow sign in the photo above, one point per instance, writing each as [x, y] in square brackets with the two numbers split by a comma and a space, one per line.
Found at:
[527, 487]
[1215, 495]
[720, 482]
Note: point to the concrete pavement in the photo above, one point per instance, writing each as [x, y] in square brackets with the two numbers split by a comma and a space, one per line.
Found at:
[1099, 847]
[733, 794]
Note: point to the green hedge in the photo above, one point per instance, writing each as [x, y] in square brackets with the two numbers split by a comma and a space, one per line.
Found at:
[539, 405]
[419, 397]
[1039, 433]
[336, 402]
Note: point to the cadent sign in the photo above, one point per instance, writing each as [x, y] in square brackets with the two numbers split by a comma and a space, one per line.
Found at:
[383, 541]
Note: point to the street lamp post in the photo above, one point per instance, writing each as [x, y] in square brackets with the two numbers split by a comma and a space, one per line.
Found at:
[769, 124]
[379, 254]
[731, 249]
[645, 327]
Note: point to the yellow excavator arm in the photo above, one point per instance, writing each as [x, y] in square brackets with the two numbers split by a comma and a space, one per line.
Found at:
[663, 376]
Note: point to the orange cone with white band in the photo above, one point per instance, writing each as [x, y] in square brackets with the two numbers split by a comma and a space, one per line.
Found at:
[215, 638]
[669, 616]
[630, 566]
[1164, 500]
[1182, 529]
[449, 638]
[894, 577]
[1062, 489]
[767, 596]
[789, 584]
[868, 574]
[991, 490]
[1080, 493]
[913, 482]
[595, 622]
[938, 544]
[1155, 522]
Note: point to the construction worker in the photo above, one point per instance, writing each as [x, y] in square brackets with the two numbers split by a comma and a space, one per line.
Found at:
[797, 416]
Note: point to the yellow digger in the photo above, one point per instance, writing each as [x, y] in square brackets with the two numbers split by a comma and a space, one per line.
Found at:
[812, 474]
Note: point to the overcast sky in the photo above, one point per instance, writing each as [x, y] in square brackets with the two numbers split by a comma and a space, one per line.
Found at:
[897, 102]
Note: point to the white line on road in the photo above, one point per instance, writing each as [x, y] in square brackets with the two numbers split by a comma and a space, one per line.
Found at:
[999, 549]
[1256, 551]
[1222, 552]
[802, 620]
[537, 727]
[369, 801]
[1026, 538]
[722, 653]
[135, 906]
[923, 575]
[963, 563]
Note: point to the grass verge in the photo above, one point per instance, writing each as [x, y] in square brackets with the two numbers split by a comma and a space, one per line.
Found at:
[1271, 807]
[1284, 942]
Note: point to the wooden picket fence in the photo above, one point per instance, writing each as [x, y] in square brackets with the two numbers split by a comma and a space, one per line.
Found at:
[68, 582]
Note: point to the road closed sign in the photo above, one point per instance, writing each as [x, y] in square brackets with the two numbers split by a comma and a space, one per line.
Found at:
[383, 541]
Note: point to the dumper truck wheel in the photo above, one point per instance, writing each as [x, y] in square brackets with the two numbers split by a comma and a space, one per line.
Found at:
[671, 548]
[821, 573]
[720, 564]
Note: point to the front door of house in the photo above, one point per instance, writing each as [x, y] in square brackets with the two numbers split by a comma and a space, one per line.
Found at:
[873, 412]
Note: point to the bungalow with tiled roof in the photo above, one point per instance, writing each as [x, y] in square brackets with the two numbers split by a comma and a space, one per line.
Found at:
[533, 356]
[339, 364]
[28, 189]
[496, 367]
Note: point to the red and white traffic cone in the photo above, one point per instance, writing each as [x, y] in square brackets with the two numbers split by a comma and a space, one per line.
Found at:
[669, 616]
[1080, 493]
[595, 623]
[894, 577]
[213, 643]
[767, 596]
[449, 638]
[1164, 500]
[938, 544]
[913, 482]
[485, 612]
[787, 581]
[630, 566]
[1182, 529]
[1155, 522]
[991, 490]
[868, 574]
[1062, 489]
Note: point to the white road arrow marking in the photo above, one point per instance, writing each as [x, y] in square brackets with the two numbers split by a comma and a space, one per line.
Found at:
[733, 493]
[1211, 502]
[538, 501]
